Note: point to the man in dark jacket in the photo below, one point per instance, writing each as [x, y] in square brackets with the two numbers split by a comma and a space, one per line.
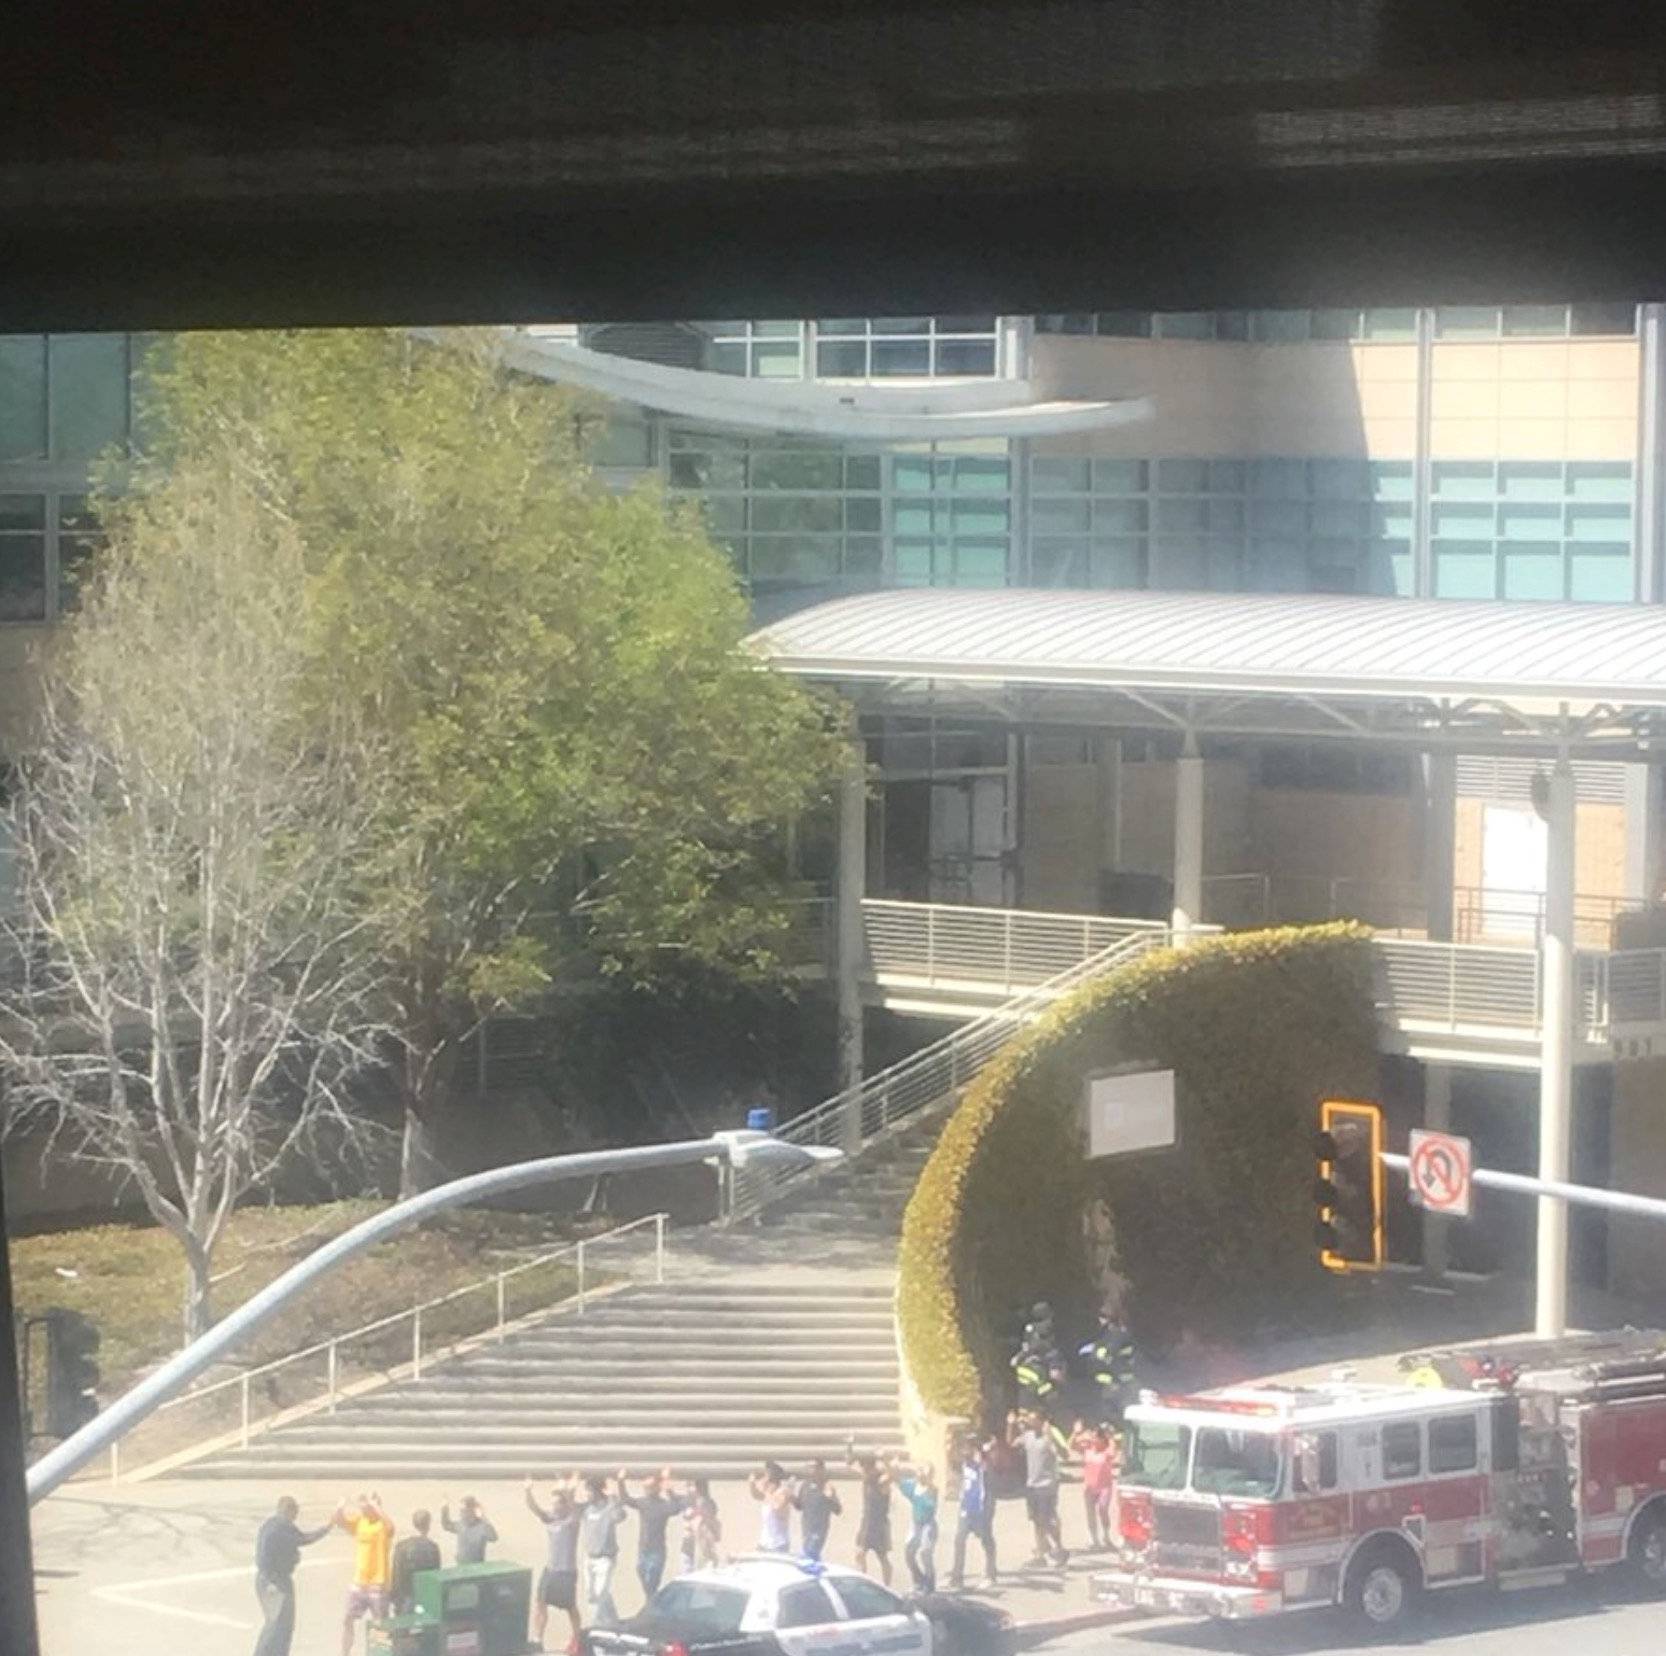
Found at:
[277, 1551]
[416, 1552]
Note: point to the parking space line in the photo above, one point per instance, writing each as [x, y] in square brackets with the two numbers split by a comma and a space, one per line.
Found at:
[124, 1594]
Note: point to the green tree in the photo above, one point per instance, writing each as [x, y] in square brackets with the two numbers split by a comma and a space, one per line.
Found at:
[588, 764]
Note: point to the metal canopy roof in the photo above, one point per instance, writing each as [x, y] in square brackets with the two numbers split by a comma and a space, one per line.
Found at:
[1587, 677]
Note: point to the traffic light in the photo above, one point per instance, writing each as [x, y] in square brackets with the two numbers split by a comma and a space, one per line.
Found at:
[1348, 1193]
[71, 1371]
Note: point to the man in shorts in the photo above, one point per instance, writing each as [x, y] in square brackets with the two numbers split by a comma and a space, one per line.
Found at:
[372, 1530]
[1032, 1434]
[558, 1583]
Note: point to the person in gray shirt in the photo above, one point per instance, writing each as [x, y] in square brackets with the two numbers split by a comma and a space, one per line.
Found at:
[473, 1529]
[1032, 1434]
[558, 1584]
[599, 1519]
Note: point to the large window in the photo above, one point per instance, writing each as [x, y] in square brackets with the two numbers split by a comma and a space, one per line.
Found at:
[802, 515]
[857, 347]
[1222, 525]
[1388, 323]
[63, 397]
[1545, 529]
[1534, 321]
[46, 540]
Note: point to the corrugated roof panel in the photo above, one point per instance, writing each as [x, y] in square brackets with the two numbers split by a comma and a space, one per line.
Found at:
[1245, 643]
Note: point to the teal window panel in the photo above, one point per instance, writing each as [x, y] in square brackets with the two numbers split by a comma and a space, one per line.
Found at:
[1462, 480]
[864, 556]
[22, 397]
[1118, 562]
[1225, 564]
[1521, 320]
[1599, 480]
[797, 469]
[1339, 479]
[1061, 473]
[1181, 513]
[911, 517]
[981, 474]
[1120, 477]
[1277, 565]
[1278, 517]
[1392, 522]
[1186, 324]
[1335, 324]
[724, 514]
[778, 360]
[1531, 572]
[1398, 323]
[1338, 517]
[1466, 569]
[1530, 479]
[863, 514]
[1467, 322]
[1281, 326]
[727, 357]
[1599, 523]
[1530, 522]
[862, 472]
[1226, 517]
[1278, 479]
[1403, 574]
[1182, 476]
[1389, 479]
[1050, 515]
[911, 562]
[1059, 561]
[1463, 522]
[911, 472]
[1121, 517]
[980, 563]
[980, 517]
[841, 358]
[778, 513]
[1226, 476]
[90, 395]
[1601, 575]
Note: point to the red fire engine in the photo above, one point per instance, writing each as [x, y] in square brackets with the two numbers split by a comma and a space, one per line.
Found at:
[1515, 1464]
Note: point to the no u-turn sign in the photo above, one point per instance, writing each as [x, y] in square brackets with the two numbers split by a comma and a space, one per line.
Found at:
[1438, 1166]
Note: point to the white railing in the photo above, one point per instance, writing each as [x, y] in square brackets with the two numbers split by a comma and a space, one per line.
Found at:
[1454, 986]
[941, 944]
[404, 1344]
[931, 1077]
[1625, 990]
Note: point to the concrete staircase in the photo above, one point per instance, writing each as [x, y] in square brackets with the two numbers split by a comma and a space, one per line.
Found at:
[770, 1339]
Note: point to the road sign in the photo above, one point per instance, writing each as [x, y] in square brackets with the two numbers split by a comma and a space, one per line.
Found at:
[1439, 1167]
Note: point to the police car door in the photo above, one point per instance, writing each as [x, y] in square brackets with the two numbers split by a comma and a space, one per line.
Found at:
[808, 1622]
[880, 1623]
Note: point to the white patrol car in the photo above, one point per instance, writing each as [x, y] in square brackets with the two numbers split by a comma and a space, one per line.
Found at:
[768, 1605]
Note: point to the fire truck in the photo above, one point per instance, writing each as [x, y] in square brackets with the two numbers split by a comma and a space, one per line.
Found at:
[1514, 1464]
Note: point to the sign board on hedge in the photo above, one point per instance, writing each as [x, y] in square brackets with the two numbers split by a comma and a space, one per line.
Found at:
[1130, 1111]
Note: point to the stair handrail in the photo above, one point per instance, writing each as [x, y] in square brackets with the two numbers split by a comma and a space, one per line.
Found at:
[329, 1348]
[840, 1119]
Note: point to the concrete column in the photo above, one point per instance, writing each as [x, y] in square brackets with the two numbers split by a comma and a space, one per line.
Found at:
[1437, 1117]
[1440, 829]
[1651, 435]
[1110, 803]
[850, 946]
[1556, 976]
[1188, 839]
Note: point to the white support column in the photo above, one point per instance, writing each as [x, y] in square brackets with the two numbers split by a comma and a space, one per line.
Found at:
[1110, 804]
[1440, 828]
[1437, 1117]
[1188, 839]
[850, 886]
[1556, 973]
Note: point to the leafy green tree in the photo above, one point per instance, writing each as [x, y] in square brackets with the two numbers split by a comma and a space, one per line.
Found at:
[589, 767]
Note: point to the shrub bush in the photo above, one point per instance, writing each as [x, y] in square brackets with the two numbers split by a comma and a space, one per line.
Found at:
[1258, 1027]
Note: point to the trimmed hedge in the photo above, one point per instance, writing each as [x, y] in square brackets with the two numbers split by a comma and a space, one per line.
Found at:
[1258, 1027]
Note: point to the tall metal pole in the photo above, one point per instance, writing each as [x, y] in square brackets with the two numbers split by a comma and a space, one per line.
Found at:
[1556, 1055]
[734, 1149]
[17, 1575]
[1188, 839]
[851, 885]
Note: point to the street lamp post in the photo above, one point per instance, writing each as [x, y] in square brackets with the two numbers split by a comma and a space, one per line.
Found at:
[736, 1150]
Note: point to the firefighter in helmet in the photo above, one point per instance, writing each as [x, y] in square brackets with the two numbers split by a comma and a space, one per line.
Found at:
[1036, 1364]
[1110, 1358]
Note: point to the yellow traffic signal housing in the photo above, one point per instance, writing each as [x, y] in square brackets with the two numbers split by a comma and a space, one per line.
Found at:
[1349, 1191]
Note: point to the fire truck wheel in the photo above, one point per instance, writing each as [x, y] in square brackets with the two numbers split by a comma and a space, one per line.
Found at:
[1647, 1550]
[1383, 1584]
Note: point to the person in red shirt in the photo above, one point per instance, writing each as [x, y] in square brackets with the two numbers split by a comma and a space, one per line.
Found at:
[1095, 1449]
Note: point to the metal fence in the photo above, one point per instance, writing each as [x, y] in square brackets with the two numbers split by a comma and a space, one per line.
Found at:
[931, 1077]
[229, 1413]
[1007, 950]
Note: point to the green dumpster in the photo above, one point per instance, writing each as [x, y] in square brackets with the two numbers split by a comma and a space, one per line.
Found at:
[468, 1610]
[404, 1636]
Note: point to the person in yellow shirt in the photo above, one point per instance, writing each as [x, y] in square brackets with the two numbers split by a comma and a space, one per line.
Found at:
[372, 1530]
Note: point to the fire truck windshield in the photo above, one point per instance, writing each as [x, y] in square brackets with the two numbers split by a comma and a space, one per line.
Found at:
[1231, 1461]
[1155, 1455]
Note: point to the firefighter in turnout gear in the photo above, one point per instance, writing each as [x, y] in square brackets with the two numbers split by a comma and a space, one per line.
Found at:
[1110, 1358]
[1038, 1367]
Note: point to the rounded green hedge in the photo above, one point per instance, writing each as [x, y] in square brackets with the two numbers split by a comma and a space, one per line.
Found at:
[1259, 1027]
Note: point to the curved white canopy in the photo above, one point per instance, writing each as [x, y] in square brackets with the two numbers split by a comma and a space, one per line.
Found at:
[1585, 672]
[863, 413]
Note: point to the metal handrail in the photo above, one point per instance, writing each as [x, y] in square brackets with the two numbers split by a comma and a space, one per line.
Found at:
[861, 1115]
[498, 1280]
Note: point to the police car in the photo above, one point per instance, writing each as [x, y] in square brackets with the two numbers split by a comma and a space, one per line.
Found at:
[770, 1605]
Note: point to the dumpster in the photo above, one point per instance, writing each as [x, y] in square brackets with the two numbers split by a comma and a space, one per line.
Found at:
[403, 1636]
[472, 1609]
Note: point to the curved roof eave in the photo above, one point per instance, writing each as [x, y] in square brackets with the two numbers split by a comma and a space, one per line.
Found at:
[1532, 659]
[845, 412]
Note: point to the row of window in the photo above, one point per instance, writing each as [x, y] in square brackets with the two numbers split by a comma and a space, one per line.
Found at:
[1390, 323]
[880, 347]
[45, 541]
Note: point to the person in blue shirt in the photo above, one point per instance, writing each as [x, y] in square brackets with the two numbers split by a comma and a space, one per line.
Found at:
[976, 1514]
[919, 1488]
